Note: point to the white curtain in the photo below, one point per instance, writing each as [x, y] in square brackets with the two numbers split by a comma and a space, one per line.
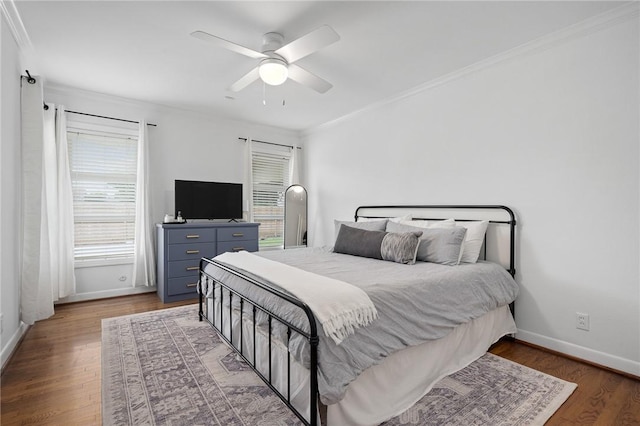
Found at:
[47, 269]
[248, 179]
[144, 270]
[65, 241]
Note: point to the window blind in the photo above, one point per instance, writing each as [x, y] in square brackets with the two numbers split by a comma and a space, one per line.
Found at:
[270, 180]
[103, 175]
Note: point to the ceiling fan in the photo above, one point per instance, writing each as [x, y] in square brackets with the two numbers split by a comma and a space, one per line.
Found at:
[277, 61]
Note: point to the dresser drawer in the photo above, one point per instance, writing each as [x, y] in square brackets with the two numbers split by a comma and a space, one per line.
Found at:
[248, 245]
[191, 251]
[183, 285]
[238, 233]
[191, 235]
[183, 268]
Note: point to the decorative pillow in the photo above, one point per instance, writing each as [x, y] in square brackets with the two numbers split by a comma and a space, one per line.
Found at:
[473, 240]
[437, 245]
[447, 223]
[359, 242]
[400, 248]
[374, 225]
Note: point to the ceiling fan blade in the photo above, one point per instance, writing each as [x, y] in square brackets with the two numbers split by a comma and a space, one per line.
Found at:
[245, 80]
[307, 44]
[304, 77]
[226, 44]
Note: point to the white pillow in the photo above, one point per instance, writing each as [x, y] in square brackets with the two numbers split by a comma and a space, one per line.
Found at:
[392, 219]
[448, 223]
[472, 240]
[370, 219]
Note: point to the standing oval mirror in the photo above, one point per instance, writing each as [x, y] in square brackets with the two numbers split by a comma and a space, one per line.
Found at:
[295, 217]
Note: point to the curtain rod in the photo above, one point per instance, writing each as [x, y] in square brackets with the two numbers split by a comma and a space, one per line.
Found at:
[32, 80]
[103, 116]
[271, 143]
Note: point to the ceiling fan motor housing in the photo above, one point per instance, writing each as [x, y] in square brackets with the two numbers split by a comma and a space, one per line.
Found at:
[273, 70]
[271, 42]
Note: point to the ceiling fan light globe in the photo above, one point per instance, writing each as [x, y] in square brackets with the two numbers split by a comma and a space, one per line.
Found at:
[273, 71]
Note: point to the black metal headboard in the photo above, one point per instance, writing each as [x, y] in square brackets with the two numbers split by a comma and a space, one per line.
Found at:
[499, 244]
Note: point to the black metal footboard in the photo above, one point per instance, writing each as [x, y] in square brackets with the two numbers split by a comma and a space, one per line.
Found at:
[208, 284]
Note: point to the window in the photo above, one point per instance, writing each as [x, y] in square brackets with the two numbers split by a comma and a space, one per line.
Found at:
[103, 167]
[270, 171]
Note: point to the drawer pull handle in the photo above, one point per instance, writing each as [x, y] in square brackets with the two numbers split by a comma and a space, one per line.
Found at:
[193, 236]
[237, 248]
[193, 251]
[192, 285]
[192, 268]
[238, 234]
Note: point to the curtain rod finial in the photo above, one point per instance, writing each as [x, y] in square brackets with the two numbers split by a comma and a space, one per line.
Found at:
[30, 79]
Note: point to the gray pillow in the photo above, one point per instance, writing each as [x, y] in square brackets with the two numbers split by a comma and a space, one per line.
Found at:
[437, 245]
[400, 248]
[359, 242]
[374, 225]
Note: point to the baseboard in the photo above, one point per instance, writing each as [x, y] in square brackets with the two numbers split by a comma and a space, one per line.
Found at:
[592, 356]
[105, 294]
[13, 343]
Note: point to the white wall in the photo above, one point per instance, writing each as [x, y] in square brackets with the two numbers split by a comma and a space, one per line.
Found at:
[10, 178]
[554, 134]
[184, 145]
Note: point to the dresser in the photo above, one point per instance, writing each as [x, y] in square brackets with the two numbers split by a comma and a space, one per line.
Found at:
[180, 247]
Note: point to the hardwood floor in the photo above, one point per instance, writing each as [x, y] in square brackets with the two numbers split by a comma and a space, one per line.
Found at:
[54, 376]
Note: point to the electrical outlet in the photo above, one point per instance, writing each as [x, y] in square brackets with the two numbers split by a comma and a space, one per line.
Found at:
[582, 321]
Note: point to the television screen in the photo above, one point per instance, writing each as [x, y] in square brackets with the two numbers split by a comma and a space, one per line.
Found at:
[208, 200]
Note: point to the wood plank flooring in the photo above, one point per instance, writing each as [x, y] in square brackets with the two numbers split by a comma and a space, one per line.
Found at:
[54, 376]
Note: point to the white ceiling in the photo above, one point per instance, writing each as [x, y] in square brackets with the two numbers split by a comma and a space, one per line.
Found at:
[142, 50]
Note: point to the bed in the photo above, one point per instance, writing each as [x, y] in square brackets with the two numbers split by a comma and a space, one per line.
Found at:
[432, 317]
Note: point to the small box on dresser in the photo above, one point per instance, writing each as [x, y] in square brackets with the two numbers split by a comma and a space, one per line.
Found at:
[180, 247]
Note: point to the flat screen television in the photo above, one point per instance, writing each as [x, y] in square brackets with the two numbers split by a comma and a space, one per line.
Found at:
[208, 200]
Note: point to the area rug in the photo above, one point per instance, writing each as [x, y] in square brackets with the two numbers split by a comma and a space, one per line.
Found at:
[167, 368]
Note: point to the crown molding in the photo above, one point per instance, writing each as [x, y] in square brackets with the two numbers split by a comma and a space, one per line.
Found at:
[628, 11]
[16, 26]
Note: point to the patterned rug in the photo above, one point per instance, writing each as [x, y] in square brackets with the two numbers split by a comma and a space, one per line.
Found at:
[167, 368]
